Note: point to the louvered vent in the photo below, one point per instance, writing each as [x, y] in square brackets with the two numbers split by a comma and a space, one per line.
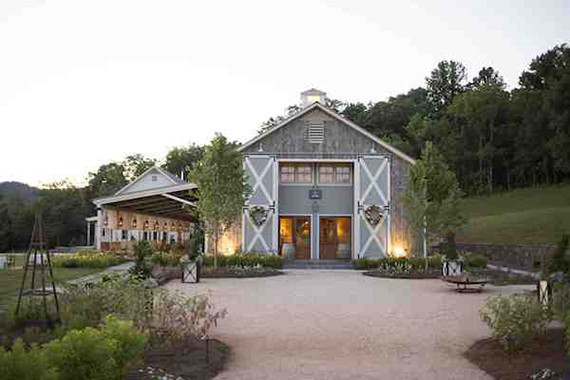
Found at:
[315, 132]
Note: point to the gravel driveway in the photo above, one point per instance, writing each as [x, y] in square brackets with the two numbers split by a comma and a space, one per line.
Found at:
[343, 325]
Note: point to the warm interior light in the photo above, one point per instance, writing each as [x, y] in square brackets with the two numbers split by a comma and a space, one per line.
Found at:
[399, 251]
[313, 99]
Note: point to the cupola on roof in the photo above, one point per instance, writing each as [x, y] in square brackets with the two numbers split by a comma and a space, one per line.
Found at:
[313, 96]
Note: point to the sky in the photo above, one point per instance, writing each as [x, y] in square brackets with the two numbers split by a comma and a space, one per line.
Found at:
[84, 83]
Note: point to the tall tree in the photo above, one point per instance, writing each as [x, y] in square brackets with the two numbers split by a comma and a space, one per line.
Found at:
[180, 160]
[222, 188]
[545, 98]
[388, 119]
[275, 120]
[108, 179]
[481, 117]
[136, 164]
[446, 81]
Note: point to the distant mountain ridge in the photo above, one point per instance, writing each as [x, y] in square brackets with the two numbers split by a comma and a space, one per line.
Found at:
[12, 190]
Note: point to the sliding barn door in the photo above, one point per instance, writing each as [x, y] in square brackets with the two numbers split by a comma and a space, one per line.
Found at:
[260, 219]
[373, 206]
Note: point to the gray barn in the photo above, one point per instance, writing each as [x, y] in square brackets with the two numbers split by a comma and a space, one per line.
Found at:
[324, 188]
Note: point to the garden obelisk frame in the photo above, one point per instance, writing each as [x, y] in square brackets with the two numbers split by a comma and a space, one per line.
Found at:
[38, 258]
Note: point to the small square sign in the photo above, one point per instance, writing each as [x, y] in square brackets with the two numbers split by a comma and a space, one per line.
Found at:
[315, 194]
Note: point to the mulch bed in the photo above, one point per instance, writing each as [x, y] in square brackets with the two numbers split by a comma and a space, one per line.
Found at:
[410, 276]
[225, 273]
[186, 360]
[544, 352]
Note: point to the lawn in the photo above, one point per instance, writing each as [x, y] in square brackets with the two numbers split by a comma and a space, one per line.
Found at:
[518, 217]
[11, 279]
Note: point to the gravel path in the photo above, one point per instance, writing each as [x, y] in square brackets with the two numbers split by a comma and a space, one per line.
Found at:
[343, 325]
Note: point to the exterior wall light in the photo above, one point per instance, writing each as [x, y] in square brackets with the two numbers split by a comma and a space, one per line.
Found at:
[399, 251]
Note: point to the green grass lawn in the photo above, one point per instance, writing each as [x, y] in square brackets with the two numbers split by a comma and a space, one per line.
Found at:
[11, 279]
[518, 217]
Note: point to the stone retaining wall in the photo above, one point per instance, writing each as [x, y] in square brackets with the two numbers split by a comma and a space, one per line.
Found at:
[520, 256]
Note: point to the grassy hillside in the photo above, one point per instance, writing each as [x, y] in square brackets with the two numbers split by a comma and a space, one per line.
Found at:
[520, 216]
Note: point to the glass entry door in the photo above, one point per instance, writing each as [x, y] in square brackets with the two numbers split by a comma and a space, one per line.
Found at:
[334, 238]
[295, 237]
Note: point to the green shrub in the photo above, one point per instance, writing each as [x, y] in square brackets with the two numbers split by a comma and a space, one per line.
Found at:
[83, 355]
[87, 260]
[196, 243]
[159, 258]
[142, 268]
[91, 353]
[559, 260]
[22, 364]
[143, 249]
[359, 264]
[477, 261]
[402, 265]
[131, 343]
[246, 260]
[164, 259]
[515, 319]
[127, 298]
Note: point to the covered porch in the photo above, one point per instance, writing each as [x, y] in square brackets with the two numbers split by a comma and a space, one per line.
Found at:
[162, 216]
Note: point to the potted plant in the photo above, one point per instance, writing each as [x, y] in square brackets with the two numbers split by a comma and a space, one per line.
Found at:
[452, 264]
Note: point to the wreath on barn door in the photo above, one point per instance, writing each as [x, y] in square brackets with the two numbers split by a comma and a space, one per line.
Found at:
[373, 215]
[258, 215]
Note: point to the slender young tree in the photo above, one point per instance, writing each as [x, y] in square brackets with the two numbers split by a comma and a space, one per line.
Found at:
[432, 199]
[222, 188]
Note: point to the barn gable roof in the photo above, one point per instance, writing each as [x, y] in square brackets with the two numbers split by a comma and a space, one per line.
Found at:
[170, 179]
[335, 115]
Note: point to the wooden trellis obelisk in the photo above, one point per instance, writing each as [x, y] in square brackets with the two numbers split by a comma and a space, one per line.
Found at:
[38, 262]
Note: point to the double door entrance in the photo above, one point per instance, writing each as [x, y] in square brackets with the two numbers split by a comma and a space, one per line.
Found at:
[296, 237]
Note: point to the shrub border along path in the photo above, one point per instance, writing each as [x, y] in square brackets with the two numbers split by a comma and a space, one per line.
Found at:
[411, 276]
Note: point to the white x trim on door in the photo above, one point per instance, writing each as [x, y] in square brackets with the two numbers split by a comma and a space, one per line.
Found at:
[374, 234]
[258, 234]
[259, 178]
[374, 180]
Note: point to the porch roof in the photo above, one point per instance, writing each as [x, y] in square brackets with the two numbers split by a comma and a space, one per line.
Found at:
[168, 202]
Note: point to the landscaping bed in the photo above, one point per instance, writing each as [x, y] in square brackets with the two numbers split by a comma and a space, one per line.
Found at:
[239, 272]
[409, 276]
[187, 360]
[543, 352]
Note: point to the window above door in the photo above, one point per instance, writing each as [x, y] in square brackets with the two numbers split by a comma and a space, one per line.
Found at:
[335, 173]
[296, 173]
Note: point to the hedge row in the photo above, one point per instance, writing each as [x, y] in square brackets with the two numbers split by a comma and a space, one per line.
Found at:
[91, 260]
[246, 260]
[415, 264]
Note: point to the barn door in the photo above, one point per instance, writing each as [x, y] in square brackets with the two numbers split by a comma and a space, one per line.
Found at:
[373, 204]
[260, 221]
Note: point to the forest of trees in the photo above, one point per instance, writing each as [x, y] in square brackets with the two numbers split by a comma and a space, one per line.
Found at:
[494, 139]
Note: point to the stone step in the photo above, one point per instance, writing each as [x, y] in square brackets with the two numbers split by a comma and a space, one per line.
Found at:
[317, 264]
